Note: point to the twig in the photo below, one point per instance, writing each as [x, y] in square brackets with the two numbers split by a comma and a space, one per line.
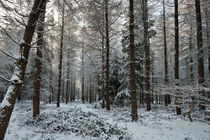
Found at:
[5, 78]
[8, 54]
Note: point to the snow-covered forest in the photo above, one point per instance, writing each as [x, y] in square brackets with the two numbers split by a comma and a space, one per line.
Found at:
[104, 70]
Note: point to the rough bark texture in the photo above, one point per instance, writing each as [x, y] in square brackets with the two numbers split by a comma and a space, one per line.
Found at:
[19, 72]
[107, 55]
[200, 51]
[60, 59]
[167, 96]
[134, 114]
[147, 54]
[178, 108]
[40, 43]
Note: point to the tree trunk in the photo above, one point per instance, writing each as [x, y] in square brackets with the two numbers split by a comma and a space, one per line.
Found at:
[191, 59]
[134, 114]
[60, 59]
[103, 87]
[147, 54]
[90, 91]
[19, 72]
[67, 81]
[83, 78]
[167, 96]
[177, 100]
[200, 52]
[40, 43]
[107, 55]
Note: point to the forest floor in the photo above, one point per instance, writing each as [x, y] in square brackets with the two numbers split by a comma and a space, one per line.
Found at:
[77, 121]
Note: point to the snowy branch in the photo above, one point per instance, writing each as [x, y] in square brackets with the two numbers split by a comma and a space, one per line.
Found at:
[4, 78]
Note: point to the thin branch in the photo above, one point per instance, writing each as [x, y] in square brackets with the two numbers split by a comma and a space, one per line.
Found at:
[9, 36]
[5, 78]
[8, 54]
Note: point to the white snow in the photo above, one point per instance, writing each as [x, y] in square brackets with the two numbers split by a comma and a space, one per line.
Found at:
[77, 121]
[9, 93]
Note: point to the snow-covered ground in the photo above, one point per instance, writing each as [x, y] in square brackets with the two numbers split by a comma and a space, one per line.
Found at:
[77, 121]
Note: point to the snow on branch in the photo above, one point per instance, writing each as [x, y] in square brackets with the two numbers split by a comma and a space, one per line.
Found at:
[22, 23]
[20, 13]
[4, 78]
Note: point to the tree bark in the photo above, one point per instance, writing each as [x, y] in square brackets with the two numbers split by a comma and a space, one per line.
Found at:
[103, 87]
[60, 59]
[191, 59]
[134, 114]
[67, 81]
[37, 81]
[147, 54]
[200, 52]
[19, 72]
[177, 100]
[167, 96]
[107, 55]
[83, 78]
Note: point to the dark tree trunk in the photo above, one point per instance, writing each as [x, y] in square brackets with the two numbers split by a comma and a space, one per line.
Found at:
[103, 87]
[191, 59]
[83, 78]
[134, 114]
[60, 58]
[176, 16]
[107, 55]
[147, 54]
[18, 75]
[200, 52]
[67, 81]
[37, 81]
[167, 96]
[90, 91]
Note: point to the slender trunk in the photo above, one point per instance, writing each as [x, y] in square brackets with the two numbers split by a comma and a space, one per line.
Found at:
[71, 93]
[74, 88]
[207, 4]
[147, 54]
[90, 91]
[200, 52]
[60, 59]
[177, 100]
[191, 59]
[107, 56]
[18, 75]
[103, 87]
[67, 82]
[83, 78]
[40, 43]
[134, 114]
[167, 96]
[51, 76]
